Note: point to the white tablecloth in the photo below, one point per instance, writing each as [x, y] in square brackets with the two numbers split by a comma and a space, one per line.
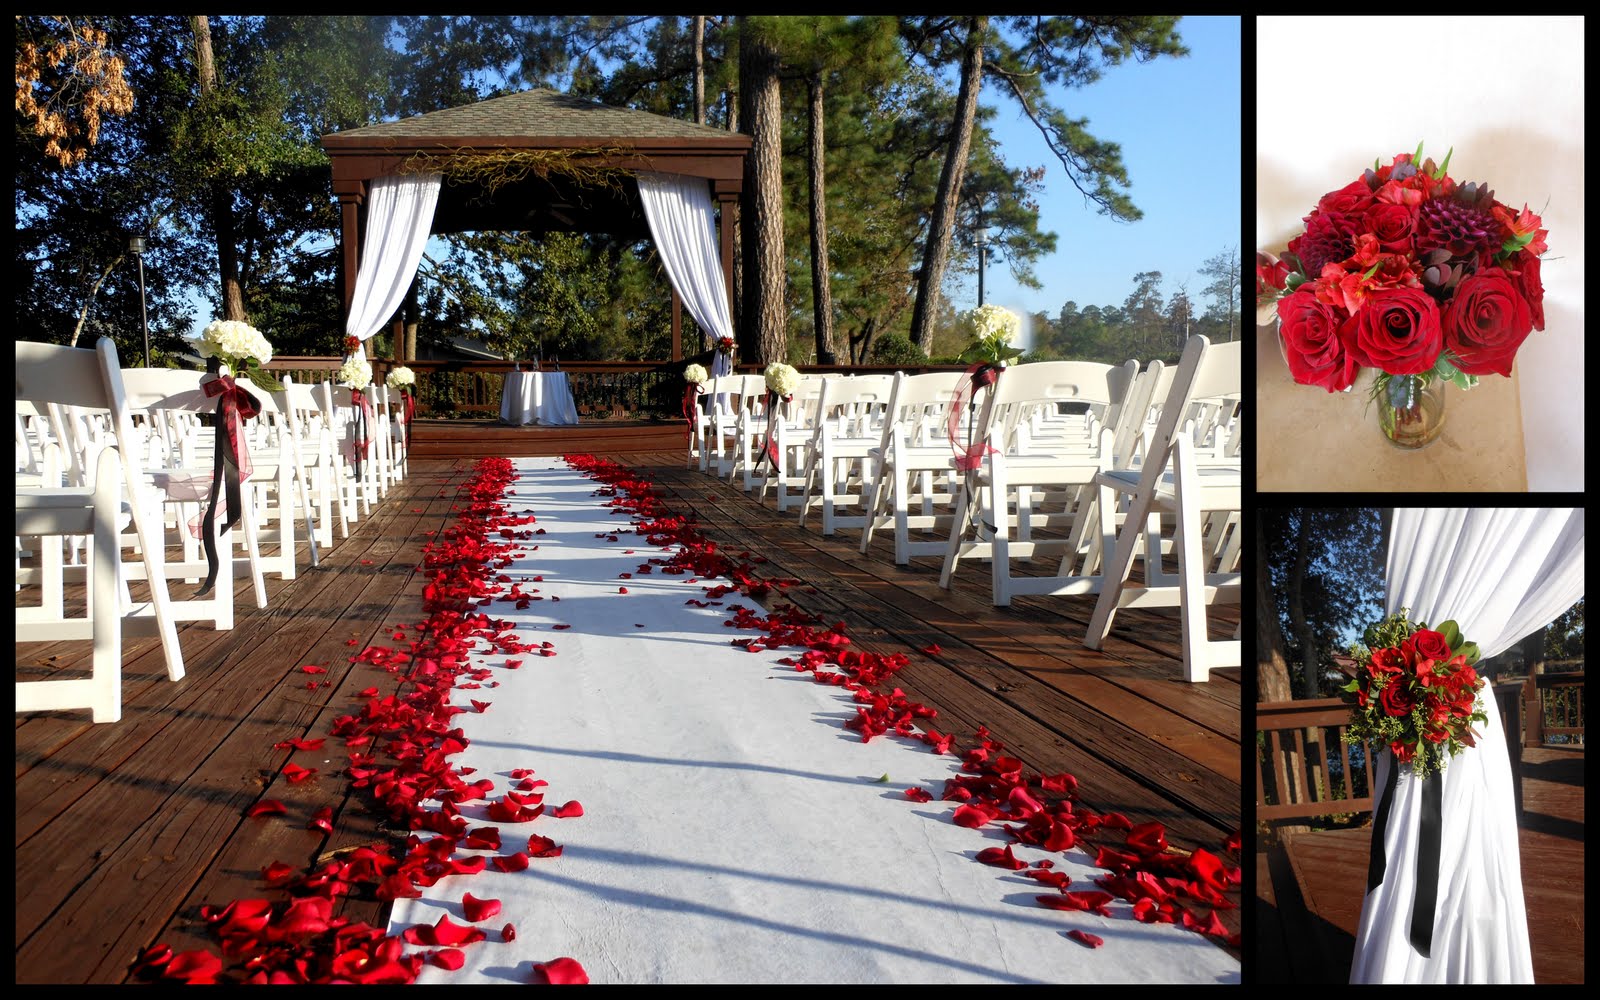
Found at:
[537, 398]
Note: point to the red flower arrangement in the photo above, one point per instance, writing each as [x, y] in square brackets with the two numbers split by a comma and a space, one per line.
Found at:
[1415, 691]
[1408, 272]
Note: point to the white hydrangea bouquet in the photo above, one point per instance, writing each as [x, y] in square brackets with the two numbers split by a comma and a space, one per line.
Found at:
[356, 373]
[695, 374]
[782, 379]
[994, 327]
[242, 348]
[401, 378]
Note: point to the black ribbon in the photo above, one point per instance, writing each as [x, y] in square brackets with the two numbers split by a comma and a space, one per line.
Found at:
[225, 472]
[1428, 837]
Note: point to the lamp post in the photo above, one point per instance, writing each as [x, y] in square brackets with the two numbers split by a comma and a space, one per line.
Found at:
[137, 244]
[983, 251]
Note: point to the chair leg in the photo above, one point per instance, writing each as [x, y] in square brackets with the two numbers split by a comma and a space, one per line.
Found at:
[1191, 573]
[1000, 543]
[952, 549]
[1117, 569]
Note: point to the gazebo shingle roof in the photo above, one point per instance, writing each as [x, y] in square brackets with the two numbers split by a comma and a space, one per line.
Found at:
[538, 113]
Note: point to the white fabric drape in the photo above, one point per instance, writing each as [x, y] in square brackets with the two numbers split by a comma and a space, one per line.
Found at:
[679, 211]
[399, 215]
[1499, 574]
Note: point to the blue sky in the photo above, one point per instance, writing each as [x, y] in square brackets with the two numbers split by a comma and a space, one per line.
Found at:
[1177, 121]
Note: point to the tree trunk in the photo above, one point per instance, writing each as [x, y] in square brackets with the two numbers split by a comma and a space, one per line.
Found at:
[699, 69]
[736, 220]
[1310, 682]
[821, 293]
[221, 198]
[936, 251]
[413, 320]
[1272, 665]
[762, 113]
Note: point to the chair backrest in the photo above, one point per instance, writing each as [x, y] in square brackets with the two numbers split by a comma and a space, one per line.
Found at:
[851, 404]
[1204, 371]
[1021, 387]
[89, 380]
[918, 405]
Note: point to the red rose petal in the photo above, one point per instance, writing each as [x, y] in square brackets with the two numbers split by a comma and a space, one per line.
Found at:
[448, 958]
[1091, 940]
[479, 909]
[267, 807]
[918, 795]
[969, 815]
[543, 847]
[322, 820]
[1001, 858]
[510, 862]
[571, 809]
[560, 972]
[508, 932]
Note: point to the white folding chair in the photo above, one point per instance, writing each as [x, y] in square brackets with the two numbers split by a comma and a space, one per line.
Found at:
[185, 481]
[44, 513]
[915, 476]
[749, 430]
[789, 429]
[839, 456]
[308, 426]
[1040, 472]
[1202, 497]
[61, 377]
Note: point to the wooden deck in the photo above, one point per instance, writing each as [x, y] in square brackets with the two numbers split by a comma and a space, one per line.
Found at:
[123, 831]
[478, 438]
[1309, 889]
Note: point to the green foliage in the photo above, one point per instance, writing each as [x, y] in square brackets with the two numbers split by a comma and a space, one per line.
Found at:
[895, 348]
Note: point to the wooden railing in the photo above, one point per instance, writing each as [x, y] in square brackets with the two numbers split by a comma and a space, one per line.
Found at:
[1300, 777]
[600, 389]
[1553, 704]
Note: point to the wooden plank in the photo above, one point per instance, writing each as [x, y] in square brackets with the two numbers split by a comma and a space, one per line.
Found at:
[178, 825]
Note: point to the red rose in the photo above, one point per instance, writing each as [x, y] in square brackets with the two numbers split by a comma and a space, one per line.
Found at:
[1485, 322]
[1270, 273]
[1397, 331]
[1352, 199]
[1311, 342]
[1528, 283]
[1396, 700]
[1436, 735]
[1393, 225]
[1431, 644]
[1402, 752]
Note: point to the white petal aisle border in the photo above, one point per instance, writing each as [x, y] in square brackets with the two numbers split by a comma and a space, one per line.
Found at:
[732, 830]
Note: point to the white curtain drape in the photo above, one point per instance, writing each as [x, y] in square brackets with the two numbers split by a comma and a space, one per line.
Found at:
[679, 211]
[1500, 575]
[399, 215]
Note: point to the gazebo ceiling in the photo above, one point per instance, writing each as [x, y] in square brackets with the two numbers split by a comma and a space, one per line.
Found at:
[573, 142]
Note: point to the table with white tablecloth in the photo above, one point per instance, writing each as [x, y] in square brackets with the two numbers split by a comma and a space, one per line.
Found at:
[537, 398]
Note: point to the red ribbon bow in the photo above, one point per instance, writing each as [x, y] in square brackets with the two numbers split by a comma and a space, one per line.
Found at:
[235, 404]
[970, 455]
[690, 393]
[362, 442]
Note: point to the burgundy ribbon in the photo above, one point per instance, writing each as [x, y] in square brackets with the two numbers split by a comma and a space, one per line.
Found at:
[769, 448]
[690, 393]
[363, 419]
[231, 464]
[965, 399]
[411, 410]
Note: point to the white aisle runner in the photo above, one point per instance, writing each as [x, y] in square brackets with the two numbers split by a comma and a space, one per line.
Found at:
[733, 831]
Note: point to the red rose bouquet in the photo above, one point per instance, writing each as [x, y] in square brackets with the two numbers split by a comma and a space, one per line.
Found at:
[1408, 272]
[1415, 691]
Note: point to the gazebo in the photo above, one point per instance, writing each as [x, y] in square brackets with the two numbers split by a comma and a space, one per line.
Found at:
[537, 161]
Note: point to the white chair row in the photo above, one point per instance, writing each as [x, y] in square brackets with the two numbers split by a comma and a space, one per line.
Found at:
[1084, 467]
[77, 408]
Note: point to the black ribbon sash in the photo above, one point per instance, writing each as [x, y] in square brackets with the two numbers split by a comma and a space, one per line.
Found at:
[1428, 837]
[233, 404]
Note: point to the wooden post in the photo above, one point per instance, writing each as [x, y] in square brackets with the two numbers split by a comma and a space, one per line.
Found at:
[677, 326]
[350, 244]
[1532, 713]
[726, 201]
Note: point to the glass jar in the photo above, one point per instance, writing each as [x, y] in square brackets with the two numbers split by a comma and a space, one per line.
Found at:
[1411, 410]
